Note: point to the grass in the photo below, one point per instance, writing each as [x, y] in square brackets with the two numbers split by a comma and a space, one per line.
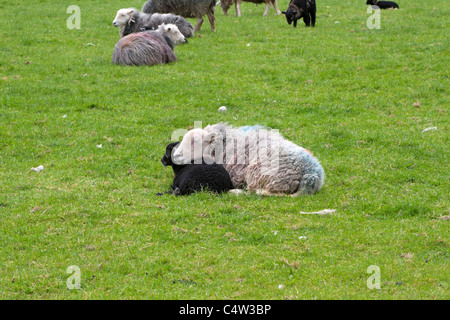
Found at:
[359, 99]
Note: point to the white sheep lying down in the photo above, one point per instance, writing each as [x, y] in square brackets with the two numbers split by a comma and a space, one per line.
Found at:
[257, 158]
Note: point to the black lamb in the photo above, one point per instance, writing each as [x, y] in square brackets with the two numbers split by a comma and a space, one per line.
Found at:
[383, 4]
[190, 178]
[298, 9]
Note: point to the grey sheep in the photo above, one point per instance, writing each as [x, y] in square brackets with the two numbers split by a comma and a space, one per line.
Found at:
[226, 4]
[148, 47]
[185, 8]
[256, 158]
[130, 20]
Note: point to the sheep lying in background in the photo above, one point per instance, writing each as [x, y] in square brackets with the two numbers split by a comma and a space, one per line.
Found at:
[149, 47]
[256, 158]
[298, 9]
[383, 4]
[185, 8]
[226, 4]
[131, 20]
[190, 178]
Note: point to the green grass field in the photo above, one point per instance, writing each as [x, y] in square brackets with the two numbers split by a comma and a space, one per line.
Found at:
[358, 98]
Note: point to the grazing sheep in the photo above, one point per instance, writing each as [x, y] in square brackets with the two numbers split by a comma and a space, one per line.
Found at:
[185, 8]
[256, 158]
[383, 4]
[298, 9]
[131, 20]
[226, 4]
[190, 178]
[149, 47]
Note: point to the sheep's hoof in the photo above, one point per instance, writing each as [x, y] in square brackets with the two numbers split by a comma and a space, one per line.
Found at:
[236, 191]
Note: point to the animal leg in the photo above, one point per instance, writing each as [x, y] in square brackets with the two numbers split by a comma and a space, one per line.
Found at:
[295, 23]
[199, 24]
[211, 20]
[275, 5]
[266, 12]
[313, 19]
[237, 8]
[307, 20]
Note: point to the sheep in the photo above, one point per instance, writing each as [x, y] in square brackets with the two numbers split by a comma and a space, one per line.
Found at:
[298, 9]
[256, 158]
[190, 178]
[226, 4]
[148, 47]
[131, 20]
[383, 4]
[185, 8]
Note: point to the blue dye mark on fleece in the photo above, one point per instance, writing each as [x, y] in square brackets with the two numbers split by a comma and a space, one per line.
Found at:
[249, 128]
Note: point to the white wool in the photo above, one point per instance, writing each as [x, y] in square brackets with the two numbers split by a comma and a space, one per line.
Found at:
[123, 16]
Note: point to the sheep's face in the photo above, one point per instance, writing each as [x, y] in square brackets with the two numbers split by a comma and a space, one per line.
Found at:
[166, 160]
[192, 146]
[173, 32]
[123, 17]
[225, 5]
[291, 15]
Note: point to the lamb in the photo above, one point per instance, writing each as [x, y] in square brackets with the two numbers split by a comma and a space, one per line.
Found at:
[383, 4]
[148, 47]
[226, 4]
[298, 9]
[131, 20]
[256, 158]
[185, 8]
[191, 178]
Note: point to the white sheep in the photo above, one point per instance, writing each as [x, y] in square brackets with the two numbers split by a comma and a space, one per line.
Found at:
[257, 158]
[130, 20]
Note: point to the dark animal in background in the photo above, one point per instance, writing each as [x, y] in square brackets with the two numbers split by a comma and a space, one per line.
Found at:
[298, 9]
[185, 8]
[383, 4]
[148, 47]
[226, 4]
[190, 178]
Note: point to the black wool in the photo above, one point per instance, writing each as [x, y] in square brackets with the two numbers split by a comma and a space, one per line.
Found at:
[190, 178]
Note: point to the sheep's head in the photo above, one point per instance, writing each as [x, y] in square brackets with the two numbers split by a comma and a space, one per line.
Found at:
[123, 17]
[225, 5]
[193, 145]
[291, 15]
[173, 32]
[166, 160]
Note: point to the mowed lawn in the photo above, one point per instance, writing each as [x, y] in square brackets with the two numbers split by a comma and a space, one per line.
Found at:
[371, 104]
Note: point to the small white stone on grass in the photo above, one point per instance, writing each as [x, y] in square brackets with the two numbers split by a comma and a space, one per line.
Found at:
[38, 169]
[222, 109]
